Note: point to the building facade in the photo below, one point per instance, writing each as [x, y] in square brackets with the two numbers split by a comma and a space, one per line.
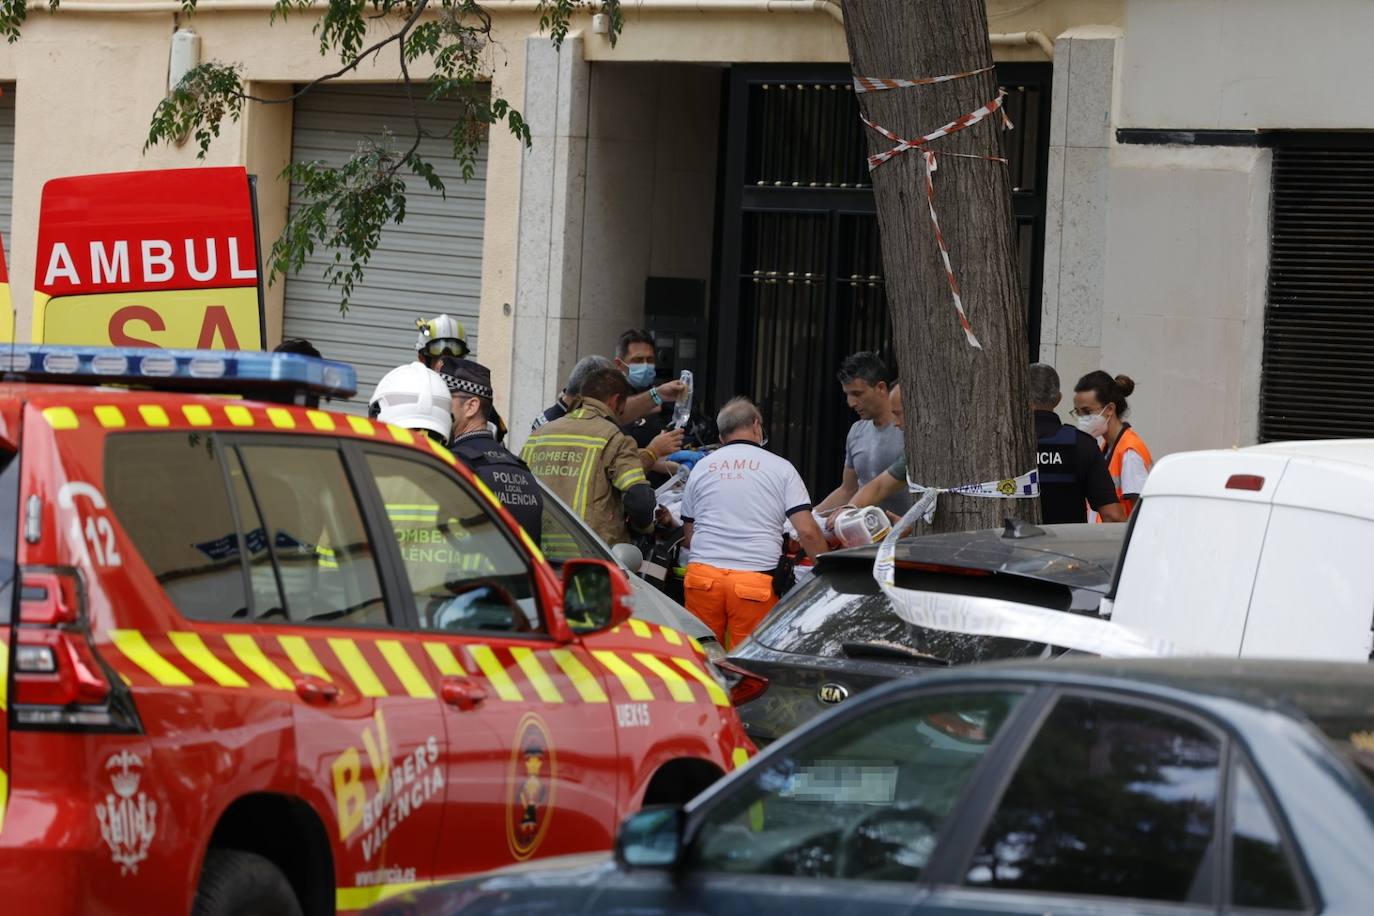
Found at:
[1193, 197]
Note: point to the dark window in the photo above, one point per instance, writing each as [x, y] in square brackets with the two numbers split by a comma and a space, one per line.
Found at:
[842, 614]
[1261, 875]
[312, 530]
[167, 491]
[1111, 800]
[9, 527]
[864, 801]
[464, 571]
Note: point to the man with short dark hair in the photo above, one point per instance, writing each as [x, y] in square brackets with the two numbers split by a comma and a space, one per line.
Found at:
[737, 500]
[591, 465]
[474, 415]
[874, 441]
[636, 357]
[1073, 473]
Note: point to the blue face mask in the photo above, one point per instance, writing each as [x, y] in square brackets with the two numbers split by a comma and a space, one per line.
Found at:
[642, 375]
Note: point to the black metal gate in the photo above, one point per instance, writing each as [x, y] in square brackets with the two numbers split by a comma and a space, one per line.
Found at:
[799, 275]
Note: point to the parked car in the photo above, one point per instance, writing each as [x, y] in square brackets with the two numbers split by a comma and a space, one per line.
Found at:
[1085, 787]
[258, 657]
[566, 536]
[1273, 541]
[837, 635]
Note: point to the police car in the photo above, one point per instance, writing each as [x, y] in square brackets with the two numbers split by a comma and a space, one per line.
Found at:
[261, 657]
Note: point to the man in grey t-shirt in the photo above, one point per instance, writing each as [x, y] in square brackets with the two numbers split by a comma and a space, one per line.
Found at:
[875, 441]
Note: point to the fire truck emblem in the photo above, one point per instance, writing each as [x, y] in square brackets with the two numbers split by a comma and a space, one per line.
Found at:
[529, 787]
[128, 817]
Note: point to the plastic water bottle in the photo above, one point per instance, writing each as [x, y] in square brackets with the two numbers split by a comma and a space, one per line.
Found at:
[683, 409]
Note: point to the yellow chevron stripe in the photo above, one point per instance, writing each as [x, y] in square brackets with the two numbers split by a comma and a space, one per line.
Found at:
[673, 637]
[539, 678]
[400, 434]
[630, 679]
[4, 686]
[439, 450]
[60, 417]
[500, 681]
[351, 657]
[361, 425]
[136, 649]
[248, 652]
[400, 661]
[640, 628]
[320, 420]
[4, 796]
[304, 657]
[153, 415]
[588, 687]
[534, 548]
[281, 418]
[444, 659]
[239, 416]
[713, 689]
[109, 416]
[347, 899]
[194, 649]
[739, 757]
[696, 645]
[677, 687]
[196, 415]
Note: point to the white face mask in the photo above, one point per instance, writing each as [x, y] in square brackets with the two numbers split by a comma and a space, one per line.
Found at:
[1094, 424]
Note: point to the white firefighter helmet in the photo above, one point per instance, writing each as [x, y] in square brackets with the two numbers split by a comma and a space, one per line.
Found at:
[442, 336]
[414, 397]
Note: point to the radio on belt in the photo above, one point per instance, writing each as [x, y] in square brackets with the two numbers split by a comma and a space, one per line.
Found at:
[281, 377]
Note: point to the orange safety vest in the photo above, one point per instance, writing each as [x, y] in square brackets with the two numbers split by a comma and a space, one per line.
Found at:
[1116, 454]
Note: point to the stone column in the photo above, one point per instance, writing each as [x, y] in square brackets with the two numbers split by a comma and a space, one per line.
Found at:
[1077, 201]
[549, 252]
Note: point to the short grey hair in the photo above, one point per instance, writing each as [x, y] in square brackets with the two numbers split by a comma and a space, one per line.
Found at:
[1044, 385]
[736, 414]
[584, 368]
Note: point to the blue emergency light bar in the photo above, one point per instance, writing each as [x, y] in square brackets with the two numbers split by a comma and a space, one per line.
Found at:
[268, 376]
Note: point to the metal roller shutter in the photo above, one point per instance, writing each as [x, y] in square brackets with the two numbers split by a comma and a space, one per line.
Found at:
[6, 163]
[1318, 376]
[429, 264]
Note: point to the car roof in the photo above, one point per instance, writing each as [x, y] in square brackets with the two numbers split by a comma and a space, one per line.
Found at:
[1079, 556]
[1348, 451]
[1318, 689]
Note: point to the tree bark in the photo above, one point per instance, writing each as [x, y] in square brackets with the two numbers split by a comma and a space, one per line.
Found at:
[968, 416]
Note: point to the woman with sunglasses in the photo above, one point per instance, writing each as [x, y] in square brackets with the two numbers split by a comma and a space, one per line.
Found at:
[1099, 405]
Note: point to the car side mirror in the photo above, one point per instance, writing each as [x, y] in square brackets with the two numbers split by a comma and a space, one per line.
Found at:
[651, 838]
[596, 595]
[629, 556]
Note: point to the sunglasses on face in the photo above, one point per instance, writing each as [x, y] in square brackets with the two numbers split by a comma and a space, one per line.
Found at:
[446, 346]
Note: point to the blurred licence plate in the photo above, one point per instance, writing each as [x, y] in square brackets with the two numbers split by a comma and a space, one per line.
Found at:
[844, 781]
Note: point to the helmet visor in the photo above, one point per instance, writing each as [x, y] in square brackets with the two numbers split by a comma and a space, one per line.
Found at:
[446, 346]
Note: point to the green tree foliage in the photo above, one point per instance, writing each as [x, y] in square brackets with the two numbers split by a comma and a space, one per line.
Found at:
[345, 209]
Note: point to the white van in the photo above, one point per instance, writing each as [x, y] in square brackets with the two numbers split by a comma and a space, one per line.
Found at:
[1261, 551]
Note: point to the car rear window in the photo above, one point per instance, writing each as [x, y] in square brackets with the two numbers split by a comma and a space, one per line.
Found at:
[841, 613]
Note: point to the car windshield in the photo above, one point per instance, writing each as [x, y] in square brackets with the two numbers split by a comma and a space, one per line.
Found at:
[841, 613]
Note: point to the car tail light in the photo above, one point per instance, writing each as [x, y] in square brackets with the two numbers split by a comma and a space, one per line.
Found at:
[1252, 482]
[59, 680]
[743, 685]
[942, 568]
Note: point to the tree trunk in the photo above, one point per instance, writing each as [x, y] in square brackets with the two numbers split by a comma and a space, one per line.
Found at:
[968, 416]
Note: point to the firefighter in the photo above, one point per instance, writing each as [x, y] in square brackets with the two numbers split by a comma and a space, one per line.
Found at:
[439, 337]
[592, 465]
[413, 397]
[480, 448]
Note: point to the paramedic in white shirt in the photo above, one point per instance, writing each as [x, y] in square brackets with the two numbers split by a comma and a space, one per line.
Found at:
[736, 502]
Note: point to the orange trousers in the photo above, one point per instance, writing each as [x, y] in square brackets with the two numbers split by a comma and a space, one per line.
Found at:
[729, 601]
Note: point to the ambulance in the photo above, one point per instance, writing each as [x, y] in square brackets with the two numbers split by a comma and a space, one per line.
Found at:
[258, 657]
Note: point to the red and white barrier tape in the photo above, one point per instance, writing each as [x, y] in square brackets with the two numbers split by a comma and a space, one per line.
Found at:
[870, 84]
[874, 84]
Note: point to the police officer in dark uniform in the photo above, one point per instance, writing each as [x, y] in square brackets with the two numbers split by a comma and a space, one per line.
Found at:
[473, 441]
[1073, 474]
